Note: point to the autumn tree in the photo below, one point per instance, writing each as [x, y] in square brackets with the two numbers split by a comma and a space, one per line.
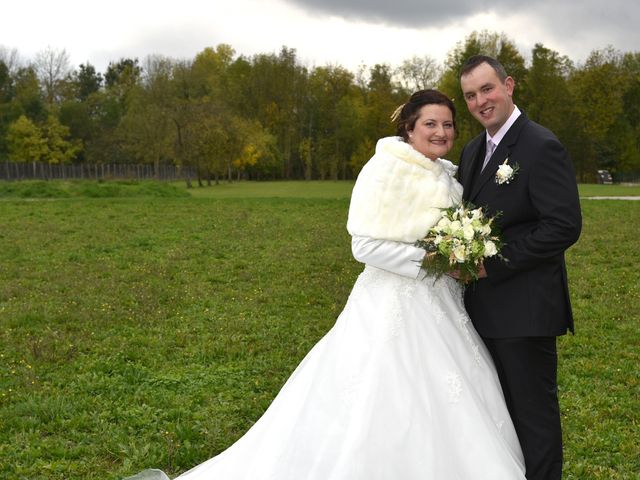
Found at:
[382, 97]
[107, 108]
[146, 131]
[418, 73]
[6, 93]
[277, 87]
[210, 72]
[60, 147]
[599, 108]
[82, 109]
[324, 131]
[626, 128]
[146, 127]
[11, 58]
[27, 98]
[25, 141]
[257, 153]
[548, 100]
[53, 67]
[87, 81]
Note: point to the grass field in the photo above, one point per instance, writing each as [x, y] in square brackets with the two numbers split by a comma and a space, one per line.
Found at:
[153, 328]
[280, 189]
[342, 189]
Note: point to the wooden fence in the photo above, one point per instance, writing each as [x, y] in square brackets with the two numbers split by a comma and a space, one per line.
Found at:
[46, 171]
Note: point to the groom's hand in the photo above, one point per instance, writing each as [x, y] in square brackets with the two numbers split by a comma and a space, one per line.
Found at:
[482, 273]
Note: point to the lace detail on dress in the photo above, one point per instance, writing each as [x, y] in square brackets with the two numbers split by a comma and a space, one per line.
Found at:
[398, 291]
[454, 385]
[461, 321]
[433, 283]
[447, 286]
[386, 324]
[457, 292]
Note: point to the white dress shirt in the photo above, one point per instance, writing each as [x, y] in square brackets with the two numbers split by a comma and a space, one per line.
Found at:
[497, 138]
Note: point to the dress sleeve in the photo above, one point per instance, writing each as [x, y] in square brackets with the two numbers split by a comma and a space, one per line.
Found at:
[397, 257]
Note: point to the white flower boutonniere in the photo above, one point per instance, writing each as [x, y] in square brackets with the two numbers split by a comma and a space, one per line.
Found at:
[506, 172]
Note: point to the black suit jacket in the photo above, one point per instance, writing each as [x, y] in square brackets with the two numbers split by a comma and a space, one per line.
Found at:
[540, 218]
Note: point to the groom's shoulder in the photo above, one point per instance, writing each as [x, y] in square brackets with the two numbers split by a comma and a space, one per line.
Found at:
[475, 141]
[533, 129]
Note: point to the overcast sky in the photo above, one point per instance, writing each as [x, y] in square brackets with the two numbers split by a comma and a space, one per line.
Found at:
[344, 32]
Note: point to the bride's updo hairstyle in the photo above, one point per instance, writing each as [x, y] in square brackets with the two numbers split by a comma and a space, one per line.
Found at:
[406, 115]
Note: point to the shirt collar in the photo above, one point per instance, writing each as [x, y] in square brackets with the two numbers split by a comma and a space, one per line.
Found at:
[505, 128]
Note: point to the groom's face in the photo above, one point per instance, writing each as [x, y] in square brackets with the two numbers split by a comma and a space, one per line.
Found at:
[488, 98]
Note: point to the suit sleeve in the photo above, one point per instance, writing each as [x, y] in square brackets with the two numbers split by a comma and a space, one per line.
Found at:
[397, 257]
[460, 174]
[553, 193]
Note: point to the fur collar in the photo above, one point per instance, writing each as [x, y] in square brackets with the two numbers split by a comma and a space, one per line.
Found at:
[399, 193]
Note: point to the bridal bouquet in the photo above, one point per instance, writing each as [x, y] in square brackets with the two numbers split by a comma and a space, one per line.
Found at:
[461, 240]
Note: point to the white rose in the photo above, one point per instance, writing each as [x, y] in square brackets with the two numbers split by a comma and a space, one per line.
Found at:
[468, 232]
[504, 173]
[486, 230]
[490, 249]
[443, 223]
[476, 214]
[455, 226]
[460, 253]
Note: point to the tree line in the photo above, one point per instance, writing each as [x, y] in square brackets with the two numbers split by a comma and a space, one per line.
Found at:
[228, 116]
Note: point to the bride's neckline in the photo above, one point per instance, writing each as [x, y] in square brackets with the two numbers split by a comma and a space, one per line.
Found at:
[397, 147]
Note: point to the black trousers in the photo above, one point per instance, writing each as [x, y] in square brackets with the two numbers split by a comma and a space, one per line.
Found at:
[527, 368]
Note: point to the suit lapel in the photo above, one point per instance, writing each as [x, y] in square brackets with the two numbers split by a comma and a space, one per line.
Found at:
[489, 170]
[501, 153]
[476, 156]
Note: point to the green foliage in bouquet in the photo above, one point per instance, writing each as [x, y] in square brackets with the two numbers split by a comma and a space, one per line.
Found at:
[460, 241]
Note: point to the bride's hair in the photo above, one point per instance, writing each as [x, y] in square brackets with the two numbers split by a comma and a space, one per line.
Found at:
[406, 115]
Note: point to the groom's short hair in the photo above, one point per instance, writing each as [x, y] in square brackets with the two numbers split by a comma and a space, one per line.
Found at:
[476, 60]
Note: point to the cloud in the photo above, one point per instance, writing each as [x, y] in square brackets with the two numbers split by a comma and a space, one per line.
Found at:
[572, 27]
[420, 13]
[409, 13]
[345, 32]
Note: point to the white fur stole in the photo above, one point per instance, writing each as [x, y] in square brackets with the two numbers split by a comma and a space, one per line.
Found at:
[399, 193]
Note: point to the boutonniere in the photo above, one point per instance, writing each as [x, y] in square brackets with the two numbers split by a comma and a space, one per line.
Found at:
[506, 172]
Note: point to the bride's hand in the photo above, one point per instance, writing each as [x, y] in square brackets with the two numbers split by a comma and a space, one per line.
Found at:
[458, 275]
[455, 274]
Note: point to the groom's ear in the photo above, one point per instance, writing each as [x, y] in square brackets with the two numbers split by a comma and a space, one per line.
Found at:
[510, 84]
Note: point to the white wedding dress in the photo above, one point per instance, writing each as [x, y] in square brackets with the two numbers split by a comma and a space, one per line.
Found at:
[402, 387]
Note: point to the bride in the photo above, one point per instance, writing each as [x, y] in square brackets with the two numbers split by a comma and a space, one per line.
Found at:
[402, 387]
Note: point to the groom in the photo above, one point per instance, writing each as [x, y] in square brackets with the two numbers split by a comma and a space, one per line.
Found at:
[519, 306]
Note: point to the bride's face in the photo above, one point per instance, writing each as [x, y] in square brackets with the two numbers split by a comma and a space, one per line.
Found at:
[433, 132]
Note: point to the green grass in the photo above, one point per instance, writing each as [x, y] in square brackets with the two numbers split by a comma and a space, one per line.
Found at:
[600, 366]
[139, 332]
[342, 189]
[280, 189]
[88, 189]
[593, 190]
[275, 189]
